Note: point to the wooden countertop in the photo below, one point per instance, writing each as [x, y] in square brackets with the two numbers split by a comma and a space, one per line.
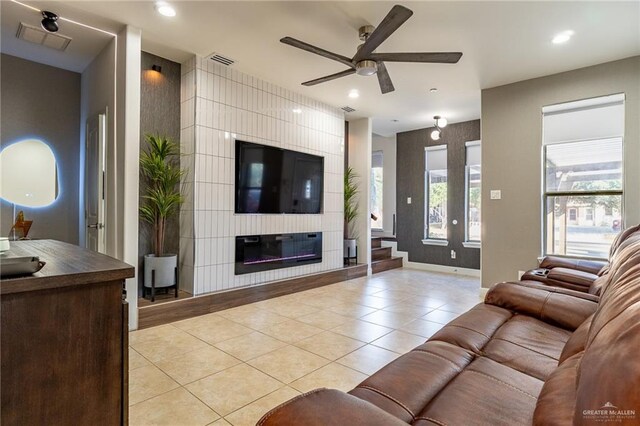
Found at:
[66, 265]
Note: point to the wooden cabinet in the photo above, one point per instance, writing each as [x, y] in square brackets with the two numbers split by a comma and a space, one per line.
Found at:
[64, 339]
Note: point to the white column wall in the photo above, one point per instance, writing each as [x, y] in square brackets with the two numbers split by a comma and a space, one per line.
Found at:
[127, 156]
[360, 160]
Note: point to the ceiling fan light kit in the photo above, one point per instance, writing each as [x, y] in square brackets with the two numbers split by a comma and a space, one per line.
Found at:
[366, 68]
[365, 62]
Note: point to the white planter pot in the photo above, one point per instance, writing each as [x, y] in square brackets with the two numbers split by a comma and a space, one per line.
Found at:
[350, 247]
[164, 267]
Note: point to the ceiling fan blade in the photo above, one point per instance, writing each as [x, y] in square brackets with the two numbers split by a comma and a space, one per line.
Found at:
[318, 51]
[394, 19]
[329, 77]
[384, 80]
[425, 57]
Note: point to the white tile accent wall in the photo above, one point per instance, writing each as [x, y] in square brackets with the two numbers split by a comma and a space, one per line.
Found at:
[220, 105]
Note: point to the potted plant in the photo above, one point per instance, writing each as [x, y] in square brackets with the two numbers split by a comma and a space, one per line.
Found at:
[350, 212]
[161, 175]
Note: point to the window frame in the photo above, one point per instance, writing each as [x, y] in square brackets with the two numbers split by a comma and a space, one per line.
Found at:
[427, 240]
[468, 243]
[546, 194]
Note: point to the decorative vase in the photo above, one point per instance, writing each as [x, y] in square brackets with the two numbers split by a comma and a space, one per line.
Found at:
[164, 267]
[349, 245]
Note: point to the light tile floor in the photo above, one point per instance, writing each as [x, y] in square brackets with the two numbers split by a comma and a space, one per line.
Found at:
[231, 367]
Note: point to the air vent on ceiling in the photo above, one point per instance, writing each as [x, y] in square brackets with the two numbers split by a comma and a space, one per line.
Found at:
[216, 57]
[37, 35]
[347, 109]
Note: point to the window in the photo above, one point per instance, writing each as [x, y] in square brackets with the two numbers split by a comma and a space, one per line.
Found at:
[473, 179]
[436, 193]
[583, 191]
[376, 190]
[588, 214]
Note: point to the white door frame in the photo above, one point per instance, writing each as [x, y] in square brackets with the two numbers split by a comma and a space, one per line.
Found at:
[98, 124]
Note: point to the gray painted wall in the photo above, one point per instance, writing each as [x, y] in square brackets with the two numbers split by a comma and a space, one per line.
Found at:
[512, 152]
[44, 102]
[159, 114]
[410, 183]
[98, 97]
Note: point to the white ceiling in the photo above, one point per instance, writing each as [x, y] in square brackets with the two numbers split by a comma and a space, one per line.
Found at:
[85, 44]
[502, 42]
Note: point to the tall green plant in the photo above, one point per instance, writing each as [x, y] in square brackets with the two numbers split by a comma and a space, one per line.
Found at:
[161, 175]
[350, 200]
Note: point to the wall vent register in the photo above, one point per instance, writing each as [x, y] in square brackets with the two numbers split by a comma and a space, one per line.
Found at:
[221, 59]
[255, 253]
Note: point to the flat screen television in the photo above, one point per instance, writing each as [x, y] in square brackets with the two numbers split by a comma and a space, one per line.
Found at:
[276, 180]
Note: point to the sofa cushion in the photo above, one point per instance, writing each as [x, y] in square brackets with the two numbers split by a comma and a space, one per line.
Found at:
[556, 402]
[549, 304]
[609, 371]
[577, 341]
[623, 288]
[309, 409]
[534, 335]
[473, 329]
[621, 237]
[533, 363]
[477, 397]
[405, 386]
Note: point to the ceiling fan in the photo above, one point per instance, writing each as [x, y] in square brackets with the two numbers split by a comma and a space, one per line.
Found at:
[366, 61]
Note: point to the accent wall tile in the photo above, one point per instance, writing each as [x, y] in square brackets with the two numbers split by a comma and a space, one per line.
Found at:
[222, 105]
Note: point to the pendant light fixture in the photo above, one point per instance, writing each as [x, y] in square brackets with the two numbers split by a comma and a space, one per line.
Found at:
[440, 123]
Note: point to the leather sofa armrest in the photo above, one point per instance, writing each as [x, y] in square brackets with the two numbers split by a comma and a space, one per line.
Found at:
[549, 305]
[574, 277]
[328, 407]
[591, 266]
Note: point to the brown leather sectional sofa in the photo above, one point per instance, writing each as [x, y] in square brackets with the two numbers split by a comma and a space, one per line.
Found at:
[530, 354]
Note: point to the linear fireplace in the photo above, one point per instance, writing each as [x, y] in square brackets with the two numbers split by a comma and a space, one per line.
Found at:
[255, 253]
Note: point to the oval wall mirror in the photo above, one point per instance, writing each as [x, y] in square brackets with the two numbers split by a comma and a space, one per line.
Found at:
[28, 174]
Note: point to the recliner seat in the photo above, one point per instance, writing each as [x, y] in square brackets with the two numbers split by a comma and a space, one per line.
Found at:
[575, 274]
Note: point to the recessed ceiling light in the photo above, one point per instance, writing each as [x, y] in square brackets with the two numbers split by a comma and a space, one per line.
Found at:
[394, 120]
[562, 37]
[433, 89]
[165, 9]
[353, 94]
[297, 111]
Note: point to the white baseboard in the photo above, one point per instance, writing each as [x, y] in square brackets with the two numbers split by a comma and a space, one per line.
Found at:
[442, 268]
[428, 266]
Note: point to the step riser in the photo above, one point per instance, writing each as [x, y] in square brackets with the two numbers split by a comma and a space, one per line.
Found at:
[376, 243]
[381, 253]
[385, 265]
